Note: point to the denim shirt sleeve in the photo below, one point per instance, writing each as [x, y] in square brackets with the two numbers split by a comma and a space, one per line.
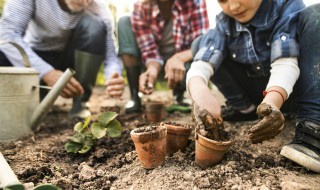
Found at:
[212, 47]
[284, 38]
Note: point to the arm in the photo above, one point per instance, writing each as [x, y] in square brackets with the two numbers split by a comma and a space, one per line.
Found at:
[174, 69]
[112, 64]
[15, 19]
[284, 74]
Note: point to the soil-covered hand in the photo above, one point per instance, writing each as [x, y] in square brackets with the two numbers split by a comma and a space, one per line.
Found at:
[272, 123]
[207, 125]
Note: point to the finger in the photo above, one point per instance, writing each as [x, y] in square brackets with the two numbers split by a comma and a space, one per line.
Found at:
[261, 125]
[72, 90]
[66, 93]
[115, 93]
[115, 88]
[264, 109]
[262, 138]
[75, 87]
[265, 136]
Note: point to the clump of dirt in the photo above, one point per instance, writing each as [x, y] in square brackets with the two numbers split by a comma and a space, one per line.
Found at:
[209, 126]
[146, 129]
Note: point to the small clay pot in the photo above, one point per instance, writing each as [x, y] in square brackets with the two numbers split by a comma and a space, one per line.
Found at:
[150, 144]
[177, 137]
[210, 152]
[154, 111]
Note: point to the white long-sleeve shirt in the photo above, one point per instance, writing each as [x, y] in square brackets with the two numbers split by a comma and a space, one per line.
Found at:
[42, 25]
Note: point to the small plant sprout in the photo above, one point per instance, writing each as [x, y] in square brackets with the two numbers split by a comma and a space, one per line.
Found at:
[87, 134]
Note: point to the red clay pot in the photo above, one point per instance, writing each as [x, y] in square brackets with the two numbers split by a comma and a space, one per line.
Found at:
[210, 152]
[151, 145]
[154, 111]
[177, 137]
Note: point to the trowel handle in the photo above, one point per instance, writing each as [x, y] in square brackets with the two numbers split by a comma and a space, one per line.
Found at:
[7, 176]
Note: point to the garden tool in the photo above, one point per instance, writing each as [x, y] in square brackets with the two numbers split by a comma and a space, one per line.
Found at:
[87, 66]
[9, 181]
[20, 109]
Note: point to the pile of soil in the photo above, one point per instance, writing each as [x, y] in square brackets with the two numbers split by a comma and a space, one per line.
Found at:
[113, 163]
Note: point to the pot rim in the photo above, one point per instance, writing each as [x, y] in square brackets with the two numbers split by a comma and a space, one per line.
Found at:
[177, 129]
[159, 133]
[213, 144]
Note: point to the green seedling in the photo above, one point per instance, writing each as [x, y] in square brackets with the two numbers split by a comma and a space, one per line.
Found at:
[87, 133]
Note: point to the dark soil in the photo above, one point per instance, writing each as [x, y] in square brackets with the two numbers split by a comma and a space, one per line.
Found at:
[113, 163]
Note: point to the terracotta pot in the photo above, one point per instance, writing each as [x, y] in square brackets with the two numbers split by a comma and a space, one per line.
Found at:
[154, 111]
[150, 145]
[210, 152]
[177, 137]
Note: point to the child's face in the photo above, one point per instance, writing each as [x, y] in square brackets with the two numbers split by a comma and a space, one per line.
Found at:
[77, 5]
[241, 10]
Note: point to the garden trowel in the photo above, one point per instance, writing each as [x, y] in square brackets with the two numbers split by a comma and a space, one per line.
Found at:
[9, 181]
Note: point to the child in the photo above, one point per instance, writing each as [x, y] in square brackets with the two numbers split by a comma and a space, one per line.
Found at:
[260, 53]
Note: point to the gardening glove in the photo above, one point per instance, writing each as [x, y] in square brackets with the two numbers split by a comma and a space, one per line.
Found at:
[272, 123]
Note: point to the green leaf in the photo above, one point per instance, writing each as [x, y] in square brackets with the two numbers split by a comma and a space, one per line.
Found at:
[86, 122]
[78, 127]
[78, 138]
[114, 128]
[87, 146]
[72, 147]
[105, 117]
[97, 130]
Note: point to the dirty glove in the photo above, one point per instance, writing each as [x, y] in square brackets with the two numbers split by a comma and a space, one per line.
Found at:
[272, 123]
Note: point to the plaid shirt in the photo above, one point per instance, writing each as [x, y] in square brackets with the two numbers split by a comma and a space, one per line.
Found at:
[190, 20]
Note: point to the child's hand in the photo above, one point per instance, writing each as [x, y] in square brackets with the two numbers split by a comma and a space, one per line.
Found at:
[272, 123]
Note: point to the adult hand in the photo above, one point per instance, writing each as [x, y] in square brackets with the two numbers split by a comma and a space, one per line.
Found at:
[72, 89]
[149, 77]
[115, 85]
[272, 123]
[174, 71]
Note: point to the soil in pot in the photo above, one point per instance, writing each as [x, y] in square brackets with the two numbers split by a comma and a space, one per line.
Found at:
[150, 144]
[154, 111]
[177, 136]
[212, 141]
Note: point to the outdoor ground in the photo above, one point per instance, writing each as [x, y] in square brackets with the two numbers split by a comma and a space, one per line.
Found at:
[113, 164]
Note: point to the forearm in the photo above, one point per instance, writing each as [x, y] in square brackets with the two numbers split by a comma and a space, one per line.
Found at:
[185, 56]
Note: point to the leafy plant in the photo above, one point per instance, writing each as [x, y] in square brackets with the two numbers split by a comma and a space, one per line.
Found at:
[87, 134]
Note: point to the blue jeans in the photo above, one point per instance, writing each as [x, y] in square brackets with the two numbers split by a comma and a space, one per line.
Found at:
[243, 85]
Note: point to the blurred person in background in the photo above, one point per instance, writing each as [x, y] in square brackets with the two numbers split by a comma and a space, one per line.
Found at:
[60, 34]
[157, 37]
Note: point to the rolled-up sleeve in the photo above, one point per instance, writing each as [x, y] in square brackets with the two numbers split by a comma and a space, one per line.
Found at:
[212, 47]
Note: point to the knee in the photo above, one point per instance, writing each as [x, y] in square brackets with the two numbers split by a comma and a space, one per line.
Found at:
[124, 23]
[92, 27]
[311, 14]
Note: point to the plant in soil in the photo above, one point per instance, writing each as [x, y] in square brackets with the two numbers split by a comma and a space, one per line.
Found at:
[87, 132]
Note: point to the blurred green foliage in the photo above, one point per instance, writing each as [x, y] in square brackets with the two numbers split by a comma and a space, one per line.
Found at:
[1, 6]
